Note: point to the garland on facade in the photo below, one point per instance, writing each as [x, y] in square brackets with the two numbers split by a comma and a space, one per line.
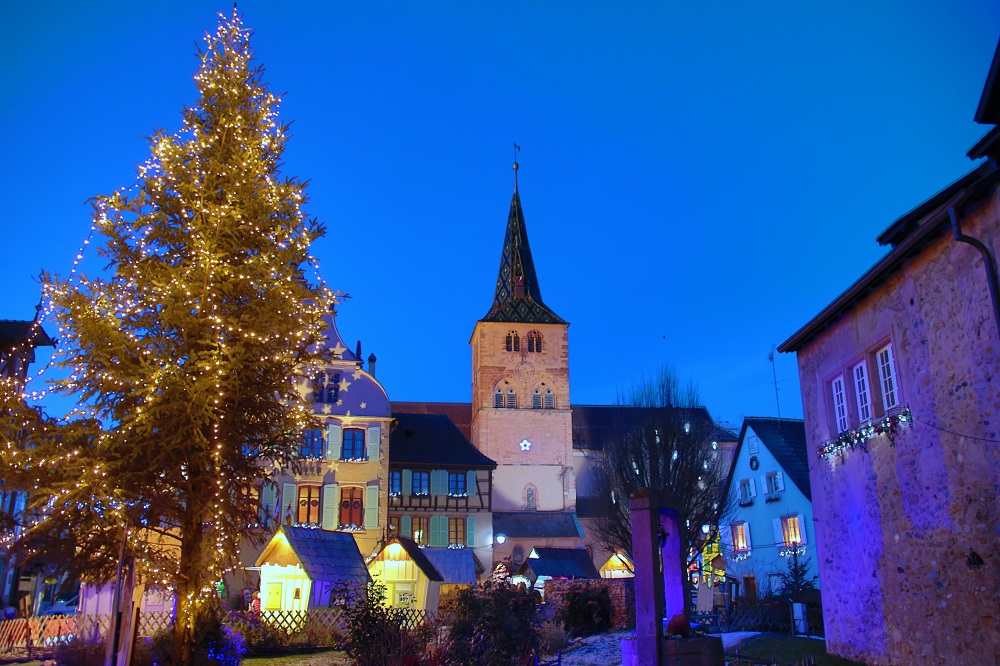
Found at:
[853, 438]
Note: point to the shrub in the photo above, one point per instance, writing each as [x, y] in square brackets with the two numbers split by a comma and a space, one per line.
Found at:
[552, 637]
[259, 636]
[375, 636]
[494, 625]
[586, 611]
[80, 652]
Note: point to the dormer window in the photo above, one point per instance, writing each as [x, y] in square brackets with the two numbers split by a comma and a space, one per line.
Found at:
[513, 341]
[326, 387]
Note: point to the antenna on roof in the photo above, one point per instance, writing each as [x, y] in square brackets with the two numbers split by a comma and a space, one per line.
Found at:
[517, 149]
[770, 357]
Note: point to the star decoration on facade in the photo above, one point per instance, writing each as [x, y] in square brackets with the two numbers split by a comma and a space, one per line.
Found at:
[358, 373]
[327, 409]
[338, 350]
[364, 405]
[525, 445]
[340, 403]
[344, 384]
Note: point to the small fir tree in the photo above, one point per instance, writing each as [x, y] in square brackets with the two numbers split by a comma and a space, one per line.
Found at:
[796, 579]
[184, 355]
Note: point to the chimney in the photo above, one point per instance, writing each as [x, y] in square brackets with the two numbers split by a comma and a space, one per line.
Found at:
[371, 364]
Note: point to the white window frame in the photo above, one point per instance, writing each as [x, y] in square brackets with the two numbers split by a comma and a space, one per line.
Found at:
[860, 375]
[740, 528]
[839, 403]
[887, 377]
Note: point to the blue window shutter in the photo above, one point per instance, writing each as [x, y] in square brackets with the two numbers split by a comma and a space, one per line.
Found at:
[371, 507]
[781, 480]
[267, 499]
[407, 481]
[406, 526]
[331, 506]
[374, 440]
[439, 531]
[470, 531]
[289, 502]
[333, 437]
[802, 529]
[470, 483]
[439, 482]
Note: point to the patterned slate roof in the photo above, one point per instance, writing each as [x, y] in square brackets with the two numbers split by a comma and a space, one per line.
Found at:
[786, 440]
[456, 565]
[432, 439]
[537, 524]
[324, 555]
[517, 269]
[559, 563]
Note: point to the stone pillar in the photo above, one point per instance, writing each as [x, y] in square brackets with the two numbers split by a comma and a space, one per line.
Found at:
[673, 570]
[648, 576]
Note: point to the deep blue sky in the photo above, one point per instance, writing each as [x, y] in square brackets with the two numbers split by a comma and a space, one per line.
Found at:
[698, 179]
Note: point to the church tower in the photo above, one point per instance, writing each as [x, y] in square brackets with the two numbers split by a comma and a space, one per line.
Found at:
[521, 414]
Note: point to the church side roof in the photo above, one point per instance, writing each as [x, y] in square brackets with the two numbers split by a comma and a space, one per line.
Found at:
[518, 297]
[537, 524]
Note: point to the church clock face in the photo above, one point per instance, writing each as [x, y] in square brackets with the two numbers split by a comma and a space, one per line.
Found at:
[525, 370]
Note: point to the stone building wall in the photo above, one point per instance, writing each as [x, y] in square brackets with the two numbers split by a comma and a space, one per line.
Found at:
[898, 520]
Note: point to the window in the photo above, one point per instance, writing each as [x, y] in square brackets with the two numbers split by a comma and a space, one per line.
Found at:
[456, 531]
[421, 530]
[513, 341]
[775, 482]
[536, 399]
[791, 530]
[511, 398]
[326, 387]
[550, 399]
[421, 483]
[861, 386]
[529, 498]
[352, 504]
[498, 398]
[354, 444]
[746, 494]
[308, 512]
[839, 404]
[534, 342]
[887, 377]
[312, 443]
[395, 482]
[741, 537]
[456, 483]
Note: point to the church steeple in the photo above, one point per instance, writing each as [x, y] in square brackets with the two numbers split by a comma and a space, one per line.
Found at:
[518, 297]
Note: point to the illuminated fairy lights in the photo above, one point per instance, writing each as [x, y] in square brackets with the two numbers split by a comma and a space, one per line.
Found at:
[206, 222]
[853, 438]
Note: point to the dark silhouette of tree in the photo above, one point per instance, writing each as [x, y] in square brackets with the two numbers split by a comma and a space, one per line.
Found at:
[664, 440]
[183, 354]
[795, 579]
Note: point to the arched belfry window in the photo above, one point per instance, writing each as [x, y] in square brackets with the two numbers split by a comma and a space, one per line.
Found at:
[550, 399]
[498, 398]
[534, 342]
[511, 398]
[536, 399]
[513, 341]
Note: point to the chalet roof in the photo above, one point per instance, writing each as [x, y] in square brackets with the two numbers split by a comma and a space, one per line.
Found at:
[537, 525]
[518, 297]
[323, 554]
[432, 439]
[559, 563]
[786, 440]
[419, 557]
[12, 332]
[456, 565]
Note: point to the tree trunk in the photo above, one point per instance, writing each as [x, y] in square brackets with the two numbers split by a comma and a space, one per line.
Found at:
[187, 588]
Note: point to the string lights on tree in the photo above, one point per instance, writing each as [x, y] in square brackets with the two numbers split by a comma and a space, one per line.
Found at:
[184, 356]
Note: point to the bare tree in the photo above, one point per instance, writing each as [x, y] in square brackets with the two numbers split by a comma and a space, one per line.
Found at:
[664, 440]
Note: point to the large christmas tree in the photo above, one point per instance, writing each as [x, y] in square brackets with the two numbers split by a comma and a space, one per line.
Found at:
[182, 353]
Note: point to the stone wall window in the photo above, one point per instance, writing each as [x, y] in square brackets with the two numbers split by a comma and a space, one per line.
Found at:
[839, 404]
[887, 377]
[860, 373]
[534, 342]
[513, 342]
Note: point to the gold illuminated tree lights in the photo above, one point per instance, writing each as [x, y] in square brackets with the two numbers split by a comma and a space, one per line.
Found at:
[183, 354]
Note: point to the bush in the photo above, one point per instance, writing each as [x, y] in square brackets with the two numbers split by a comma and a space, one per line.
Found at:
[586, 611]
[80, 652]
[259, 636]
[375, 636]
[214, 644]
[494, 625]
[552, 637]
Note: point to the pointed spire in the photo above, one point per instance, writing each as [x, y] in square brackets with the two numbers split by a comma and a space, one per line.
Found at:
[518, 297]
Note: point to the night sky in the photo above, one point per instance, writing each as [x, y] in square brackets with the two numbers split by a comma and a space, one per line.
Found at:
[698, 179]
